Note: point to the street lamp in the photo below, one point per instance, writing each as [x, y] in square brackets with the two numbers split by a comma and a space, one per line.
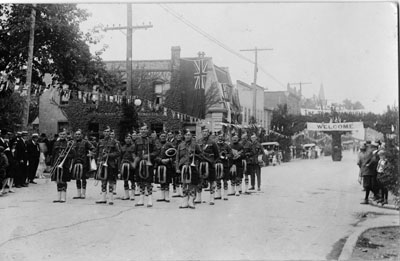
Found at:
[137, 102]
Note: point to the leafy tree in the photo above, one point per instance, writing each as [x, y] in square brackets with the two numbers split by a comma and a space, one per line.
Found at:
[130, 119]
[11, 107]
[349, 105]
[60, 48]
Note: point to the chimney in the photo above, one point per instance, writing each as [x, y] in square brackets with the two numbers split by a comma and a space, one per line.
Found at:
[175, 57]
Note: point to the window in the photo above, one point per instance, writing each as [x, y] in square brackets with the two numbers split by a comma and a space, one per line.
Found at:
[62, 125]
[159, 93]
[64, 97]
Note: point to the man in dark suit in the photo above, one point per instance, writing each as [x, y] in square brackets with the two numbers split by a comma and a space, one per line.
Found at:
[33, 155]
[21, 157]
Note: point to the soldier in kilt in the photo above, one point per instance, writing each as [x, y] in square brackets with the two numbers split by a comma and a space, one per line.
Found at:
[145, 155]
[225, 159]
[112, 136]
[165, 166]
[127, 168]
[107, 154]
[237, 168]
[176, 180]
[188, 157]
[207, 165]
[61, 162]
[81, 150]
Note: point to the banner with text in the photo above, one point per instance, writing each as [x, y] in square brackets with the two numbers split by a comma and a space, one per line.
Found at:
[335, 126]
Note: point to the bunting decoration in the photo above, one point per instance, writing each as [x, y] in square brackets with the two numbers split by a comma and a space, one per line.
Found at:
[95, 97]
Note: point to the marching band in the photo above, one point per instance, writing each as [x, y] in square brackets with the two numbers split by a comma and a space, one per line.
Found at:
[188, 165]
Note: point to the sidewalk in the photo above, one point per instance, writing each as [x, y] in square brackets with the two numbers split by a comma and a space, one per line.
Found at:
[371, 221]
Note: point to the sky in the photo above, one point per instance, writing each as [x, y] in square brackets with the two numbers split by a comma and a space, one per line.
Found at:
[349, 48]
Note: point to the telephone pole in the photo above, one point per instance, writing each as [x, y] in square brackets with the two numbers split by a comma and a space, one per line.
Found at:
[129, 28]
[255, 50]
[300, 83]
[25, 119]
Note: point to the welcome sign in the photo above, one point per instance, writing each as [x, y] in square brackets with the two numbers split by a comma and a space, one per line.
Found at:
[335, 126]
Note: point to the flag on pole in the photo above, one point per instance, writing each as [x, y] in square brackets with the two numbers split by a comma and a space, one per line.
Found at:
[193, 80]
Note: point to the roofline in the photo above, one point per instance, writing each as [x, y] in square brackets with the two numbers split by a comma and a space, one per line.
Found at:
[220, 68]
[250, 86]
[120, 61]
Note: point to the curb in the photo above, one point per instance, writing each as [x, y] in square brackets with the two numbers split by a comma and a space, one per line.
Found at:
[393, 207]
[351, 241]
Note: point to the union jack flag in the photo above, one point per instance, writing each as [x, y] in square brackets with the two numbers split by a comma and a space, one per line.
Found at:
[201, 74]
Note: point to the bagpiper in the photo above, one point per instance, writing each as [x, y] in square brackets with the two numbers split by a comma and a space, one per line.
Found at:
[165, 166]
[188, 156]
[61, 161]
[207, 165]
[112, 136]
[127, 169]
[81, 150]
[176, 180]
[107, 154]
[145, 155]
[222, 167]
[237, 168]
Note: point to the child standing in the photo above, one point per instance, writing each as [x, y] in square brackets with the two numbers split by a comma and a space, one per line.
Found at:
[381, 169]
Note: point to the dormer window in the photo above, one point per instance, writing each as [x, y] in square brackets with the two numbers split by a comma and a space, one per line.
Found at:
[159, 90]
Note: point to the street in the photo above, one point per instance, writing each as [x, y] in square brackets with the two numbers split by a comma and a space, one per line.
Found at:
[304, 208]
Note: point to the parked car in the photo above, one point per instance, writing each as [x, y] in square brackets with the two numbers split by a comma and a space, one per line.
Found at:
[309, 151]
[273, 151]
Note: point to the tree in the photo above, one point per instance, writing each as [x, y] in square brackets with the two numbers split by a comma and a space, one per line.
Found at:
[349, 105]
[212, 96]
[60, 47]
[11, 108]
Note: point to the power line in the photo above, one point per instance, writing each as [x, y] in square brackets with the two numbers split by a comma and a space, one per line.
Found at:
[272, 77]
[203, 33]
[213, 39]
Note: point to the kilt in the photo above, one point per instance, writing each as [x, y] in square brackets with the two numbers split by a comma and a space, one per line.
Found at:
[169, 174]
[112, 173]
[66, 176]
[125, 171]
[85, 169]
[144, 176]
[195, 179]
[239, 173]
[211, 172]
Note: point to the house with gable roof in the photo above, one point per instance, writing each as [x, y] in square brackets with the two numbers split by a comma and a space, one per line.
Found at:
[193, 86]
[179, 93]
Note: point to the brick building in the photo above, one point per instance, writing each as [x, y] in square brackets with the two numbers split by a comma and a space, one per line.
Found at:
[191, 88]
[179, 82]
[291, 97]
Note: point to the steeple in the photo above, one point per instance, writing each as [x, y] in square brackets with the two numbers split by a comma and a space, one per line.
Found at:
[321, 96]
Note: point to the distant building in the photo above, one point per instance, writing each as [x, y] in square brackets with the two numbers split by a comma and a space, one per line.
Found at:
[246, 94]
[203, 89]
[291, 97]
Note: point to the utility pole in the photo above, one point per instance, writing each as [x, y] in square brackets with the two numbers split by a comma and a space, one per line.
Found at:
[300, 83]
[129, 28]
[254, 84]
[28, 83]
